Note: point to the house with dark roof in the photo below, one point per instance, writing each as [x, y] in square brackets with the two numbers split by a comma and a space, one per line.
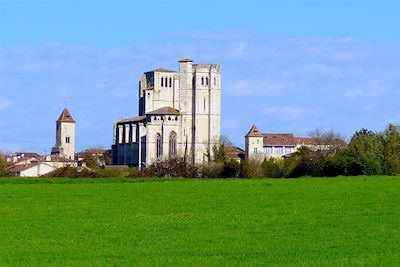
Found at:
[179, 116]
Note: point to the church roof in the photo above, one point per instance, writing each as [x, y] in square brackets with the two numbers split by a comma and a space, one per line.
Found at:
[65, 116]
[164, 111]
[185, 60]
[160, 70]
[254, 132]
[134, 119]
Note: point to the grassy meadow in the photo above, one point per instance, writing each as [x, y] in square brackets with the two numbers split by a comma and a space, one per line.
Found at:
[353, 221]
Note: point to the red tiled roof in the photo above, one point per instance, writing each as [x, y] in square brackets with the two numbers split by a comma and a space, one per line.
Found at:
[56, 159]
[160, 70]
[65, 116]
[164, 111]
[306, 141]
[134, 119]
[20, 168]
[235, 152]
[279, 139]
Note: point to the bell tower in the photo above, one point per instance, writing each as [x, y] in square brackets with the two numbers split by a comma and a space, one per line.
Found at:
[65, 136]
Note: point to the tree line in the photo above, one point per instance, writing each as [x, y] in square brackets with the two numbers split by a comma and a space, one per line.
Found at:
[367, 153]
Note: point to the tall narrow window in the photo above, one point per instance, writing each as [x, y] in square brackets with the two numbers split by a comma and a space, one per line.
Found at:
[206, 80]
[67, 139]
[215, 81]
[159, 146]
[204, 104]
[172, 145]
[170, 82]
[202, 80]
[162, 81]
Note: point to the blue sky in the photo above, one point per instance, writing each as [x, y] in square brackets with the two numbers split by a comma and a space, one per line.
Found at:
[288, 66]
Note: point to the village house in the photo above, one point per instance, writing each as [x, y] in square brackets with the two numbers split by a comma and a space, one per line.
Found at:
[260, 146]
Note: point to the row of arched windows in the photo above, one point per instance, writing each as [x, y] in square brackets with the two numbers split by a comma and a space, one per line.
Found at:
[166, 82]
[171, 144]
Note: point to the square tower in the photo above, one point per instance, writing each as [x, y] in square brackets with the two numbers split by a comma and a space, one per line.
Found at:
[65, 136]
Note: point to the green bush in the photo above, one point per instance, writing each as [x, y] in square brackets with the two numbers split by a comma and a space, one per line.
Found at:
[73, 172]
[3, 165]
[272, 168]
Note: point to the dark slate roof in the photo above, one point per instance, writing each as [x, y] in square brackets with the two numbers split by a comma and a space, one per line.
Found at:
[65, 116]
[164, 111]
[254, 132]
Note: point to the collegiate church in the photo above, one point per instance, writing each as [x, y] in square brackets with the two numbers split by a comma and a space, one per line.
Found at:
[179, 116]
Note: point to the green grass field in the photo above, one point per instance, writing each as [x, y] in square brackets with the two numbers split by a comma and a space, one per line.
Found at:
[284, 222]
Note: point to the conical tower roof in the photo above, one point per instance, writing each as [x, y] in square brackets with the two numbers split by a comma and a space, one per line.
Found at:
[65, 116]
[254, 131]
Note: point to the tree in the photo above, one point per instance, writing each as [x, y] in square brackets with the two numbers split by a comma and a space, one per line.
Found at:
[391, 140]
[365, 153]
[3, 165]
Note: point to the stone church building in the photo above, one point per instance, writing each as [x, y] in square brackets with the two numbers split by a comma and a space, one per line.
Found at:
[179, 116]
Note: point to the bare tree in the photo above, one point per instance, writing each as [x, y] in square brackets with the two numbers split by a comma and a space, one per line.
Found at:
[327, 142]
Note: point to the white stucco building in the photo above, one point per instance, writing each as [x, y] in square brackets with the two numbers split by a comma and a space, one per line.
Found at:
[179, 115]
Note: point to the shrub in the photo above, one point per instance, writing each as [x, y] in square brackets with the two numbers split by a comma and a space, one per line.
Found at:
[212, 170]
[178, 167]
[73, 172]
[272, 168]
[250, 169]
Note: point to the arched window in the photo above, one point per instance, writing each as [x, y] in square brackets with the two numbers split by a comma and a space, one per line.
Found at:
[172, 145]
[170, 82]
[206, 80]
[162, 81]
[202, 80]
[67, 139]
[159, 146]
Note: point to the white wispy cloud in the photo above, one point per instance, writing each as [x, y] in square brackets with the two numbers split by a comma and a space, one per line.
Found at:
[279, 83]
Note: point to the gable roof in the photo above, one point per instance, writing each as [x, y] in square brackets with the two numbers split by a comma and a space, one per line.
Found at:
[164, 111]
[279, 139]
[65, 116]
[254, 132]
